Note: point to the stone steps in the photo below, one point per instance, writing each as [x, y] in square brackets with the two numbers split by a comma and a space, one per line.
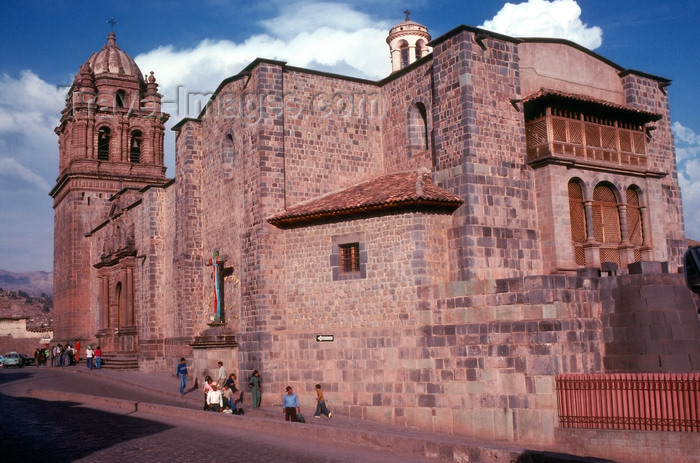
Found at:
[120, 361]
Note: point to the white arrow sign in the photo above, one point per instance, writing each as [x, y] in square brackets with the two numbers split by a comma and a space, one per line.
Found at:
[325, 338]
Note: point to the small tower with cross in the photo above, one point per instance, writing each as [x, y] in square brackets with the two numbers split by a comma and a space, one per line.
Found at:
[408, 42]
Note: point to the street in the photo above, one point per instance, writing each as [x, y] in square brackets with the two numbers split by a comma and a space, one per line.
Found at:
[36, 430]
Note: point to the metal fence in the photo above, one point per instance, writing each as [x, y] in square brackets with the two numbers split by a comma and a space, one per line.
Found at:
[637, 401]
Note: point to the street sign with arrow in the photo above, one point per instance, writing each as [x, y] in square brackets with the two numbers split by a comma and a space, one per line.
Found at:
[325, 338]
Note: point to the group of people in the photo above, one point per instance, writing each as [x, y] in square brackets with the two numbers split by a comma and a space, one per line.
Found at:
[220, 393]
[65, 355]
[41, 354]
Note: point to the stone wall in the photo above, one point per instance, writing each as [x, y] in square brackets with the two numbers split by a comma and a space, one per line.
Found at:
[631, 446]
[663, 197]
[480, 146]
[650, 322]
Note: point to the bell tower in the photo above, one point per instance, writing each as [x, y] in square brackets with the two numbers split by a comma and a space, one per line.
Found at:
[110, 138]
[408, 42]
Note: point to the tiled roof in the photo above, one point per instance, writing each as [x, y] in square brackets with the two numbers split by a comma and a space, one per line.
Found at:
[544, 94]
[388, 192]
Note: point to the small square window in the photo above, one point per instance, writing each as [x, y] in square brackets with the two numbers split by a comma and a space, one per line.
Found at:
[350, 257]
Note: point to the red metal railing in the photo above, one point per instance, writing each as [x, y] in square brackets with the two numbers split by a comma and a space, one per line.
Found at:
[639, 401]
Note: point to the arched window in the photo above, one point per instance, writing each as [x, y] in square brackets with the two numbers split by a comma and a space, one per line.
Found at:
[228, 153]
[135, 147]
[418, 127]
[577, 214]
[103, 137]
[120, 98]
[404, 55]
[606, 223]
[421, 49]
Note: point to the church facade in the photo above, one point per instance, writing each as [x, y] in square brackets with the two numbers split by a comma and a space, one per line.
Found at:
[434, 247]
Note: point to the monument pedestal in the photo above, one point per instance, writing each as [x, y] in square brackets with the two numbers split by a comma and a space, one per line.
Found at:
[214, 344]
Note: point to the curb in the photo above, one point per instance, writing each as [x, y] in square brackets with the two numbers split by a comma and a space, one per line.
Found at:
[397, 445]
[432, 446]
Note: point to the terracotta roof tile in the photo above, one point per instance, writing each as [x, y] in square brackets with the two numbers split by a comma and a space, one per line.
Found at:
[388, 192]
[549, 94]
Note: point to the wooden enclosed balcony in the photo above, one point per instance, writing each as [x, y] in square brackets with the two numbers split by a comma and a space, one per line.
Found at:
[574, 129]
[560, 133]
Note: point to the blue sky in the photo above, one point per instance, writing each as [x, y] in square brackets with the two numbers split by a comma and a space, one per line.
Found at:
[193, 46]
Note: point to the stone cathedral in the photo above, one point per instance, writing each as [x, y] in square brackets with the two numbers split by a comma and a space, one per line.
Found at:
[433, 247]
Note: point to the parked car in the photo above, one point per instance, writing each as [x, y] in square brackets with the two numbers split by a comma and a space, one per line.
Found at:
[26, 360]
[1, 357]
[12, 359]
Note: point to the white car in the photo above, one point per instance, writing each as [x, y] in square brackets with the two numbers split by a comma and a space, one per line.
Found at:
[12, 359]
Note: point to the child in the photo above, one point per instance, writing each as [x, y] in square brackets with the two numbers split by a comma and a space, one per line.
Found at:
[321, 404]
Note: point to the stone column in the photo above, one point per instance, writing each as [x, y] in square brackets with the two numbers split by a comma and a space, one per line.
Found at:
[647, 251]
[591, 248]
[626, 247]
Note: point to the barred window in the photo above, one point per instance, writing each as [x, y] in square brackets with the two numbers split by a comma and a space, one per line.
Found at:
[350, 257]
[606, 218]
[577, 214]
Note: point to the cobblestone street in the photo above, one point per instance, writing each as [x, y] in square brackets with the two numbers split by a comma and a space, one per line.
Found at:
[35, 430]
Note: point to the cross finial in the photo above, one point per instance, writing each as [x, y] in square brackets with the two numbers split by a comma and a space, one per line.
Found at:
[406, 12]
[112, 22]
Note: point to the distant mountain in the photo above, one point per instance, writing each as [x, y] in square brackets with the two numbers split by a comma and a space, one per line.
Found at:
[33, 283]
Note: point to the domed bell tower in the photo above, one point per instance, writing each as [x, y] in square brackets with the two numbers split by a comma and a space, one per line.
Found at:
[110, 138]
[408, 42]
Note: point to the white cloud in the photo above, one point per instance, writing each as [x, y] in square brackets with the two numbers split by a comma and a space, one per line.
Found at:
[543, 18]
[299, 17]
[29, 111]
[333, 36]
[688, 156]
[11, 171]
[325, 36]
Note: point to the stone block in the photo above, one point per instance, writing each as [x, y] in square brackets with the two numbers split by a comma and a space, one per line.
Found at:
[484, 424]
[644, 267]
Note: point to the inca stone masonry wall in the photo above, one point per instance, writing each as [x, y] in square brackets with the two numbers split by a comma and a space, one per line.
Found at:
[479, 149]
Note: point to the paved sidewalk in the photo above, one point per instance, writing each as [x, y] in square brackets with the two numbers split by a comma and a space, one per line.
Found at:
[161, 390]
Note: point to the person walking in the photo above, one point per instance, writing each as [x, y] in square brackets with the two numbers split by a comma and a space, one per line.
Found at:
[255, 384]
[181, 373]
[89, 355]
[290, 405]
[321, 404]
